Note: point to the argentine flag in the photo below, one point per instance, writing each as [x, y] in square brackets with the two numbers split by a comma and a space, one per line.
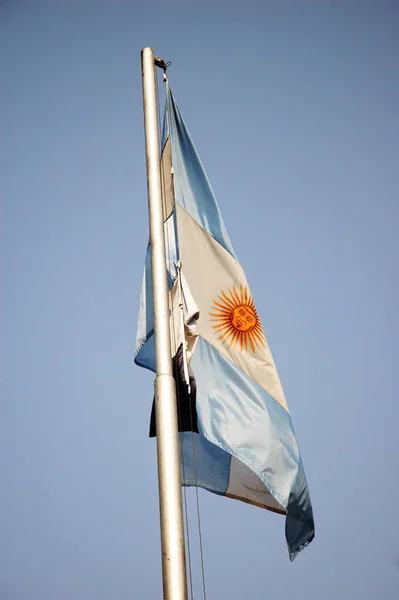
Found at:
[230, 399]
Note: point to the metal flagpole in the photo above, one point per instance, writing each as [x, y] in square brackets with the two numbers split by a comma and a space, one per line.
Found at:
[170, 499]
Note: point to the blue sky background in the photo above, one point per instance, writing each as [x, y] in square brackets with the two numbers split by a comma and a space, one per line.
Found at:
[293, 107]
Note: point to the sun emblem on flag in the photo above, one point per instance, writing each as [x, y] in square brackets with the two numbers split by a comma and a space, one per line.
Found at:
[236, 319]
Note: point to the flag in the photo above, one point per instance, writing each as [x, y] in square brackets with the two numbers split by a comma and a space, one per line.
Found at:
[235, 429]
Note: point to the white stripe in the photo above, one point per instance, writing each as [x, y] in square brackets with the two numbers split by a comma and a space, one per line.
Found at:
[244, 484]
[209, 269]
[183, 318]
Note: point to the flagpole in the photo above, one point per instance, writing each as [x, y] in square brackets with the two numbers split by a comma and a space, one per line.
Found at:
[170, 499]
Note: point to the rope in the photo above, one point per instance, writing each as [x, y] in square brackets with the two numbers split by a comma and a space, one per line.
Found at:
[199, 519]
[196, 481]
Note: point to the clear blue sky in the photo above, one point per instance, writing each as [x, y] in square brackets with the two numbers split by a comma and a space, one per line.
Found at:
[293, 107]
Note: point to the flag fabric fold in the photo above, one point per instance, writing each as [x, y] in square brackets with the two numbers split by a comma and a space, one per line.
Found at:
[236, 433]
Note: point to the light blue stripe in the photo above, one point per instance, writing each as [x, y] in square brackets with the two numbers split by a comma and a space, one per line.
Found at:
[209, 468]
[237, 415]
[192, 188]
[299, 524]
[145, 356]
[145, 347]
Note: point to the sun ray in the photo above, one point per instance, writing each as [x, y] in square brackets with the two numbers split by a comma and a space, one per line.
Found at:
[228, 301]
[236, 320]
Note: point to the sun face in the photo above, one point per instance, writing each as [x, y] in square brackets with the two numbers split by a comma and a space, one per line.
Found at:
[236, 320]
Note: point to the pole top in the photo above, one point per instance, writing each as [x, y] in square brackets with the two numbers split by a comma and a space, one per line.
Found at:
[159, 62]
